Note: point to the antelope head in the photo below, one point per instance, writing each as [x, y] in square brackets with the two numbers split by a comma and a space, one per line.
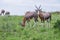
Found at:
[38, 9]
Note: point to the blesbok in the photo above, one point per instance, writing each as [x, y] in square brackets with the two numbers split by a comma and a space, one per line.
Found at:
[30, 15]
[43, 15]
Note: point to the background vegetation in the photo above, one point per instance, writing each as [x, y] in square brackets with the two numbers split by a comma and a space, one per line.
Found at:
[10, 29]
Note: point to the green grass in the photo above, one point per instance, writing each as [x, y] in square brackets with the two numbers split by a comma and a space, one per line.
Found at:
[10, 29]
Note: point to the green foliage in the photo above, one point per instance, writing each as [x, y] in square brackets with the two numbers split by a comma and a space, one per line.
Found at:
[10, 29]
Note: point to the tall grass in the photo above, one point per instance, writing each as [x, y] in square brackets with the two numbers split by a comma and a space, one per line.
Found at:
[10, 29]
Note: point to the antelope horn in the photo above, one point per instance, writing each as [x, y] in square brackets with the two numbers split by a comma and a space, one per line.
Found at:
[39, 6]
[36, 7]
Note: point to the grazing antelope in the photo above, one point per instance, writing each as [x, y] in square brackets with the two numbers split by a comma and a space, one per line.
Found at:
[30, 15]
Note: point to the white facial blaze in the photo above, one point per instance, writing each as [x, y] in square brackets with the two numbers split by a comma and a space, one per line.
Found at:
[38, 12]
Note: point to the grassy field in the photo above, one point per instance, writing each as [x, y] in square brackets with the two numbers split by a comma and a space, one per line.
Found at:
[10, 29]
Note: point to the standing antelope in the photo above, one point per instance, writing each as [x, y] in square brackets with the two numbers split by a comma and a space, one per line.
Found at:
[43, 15]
